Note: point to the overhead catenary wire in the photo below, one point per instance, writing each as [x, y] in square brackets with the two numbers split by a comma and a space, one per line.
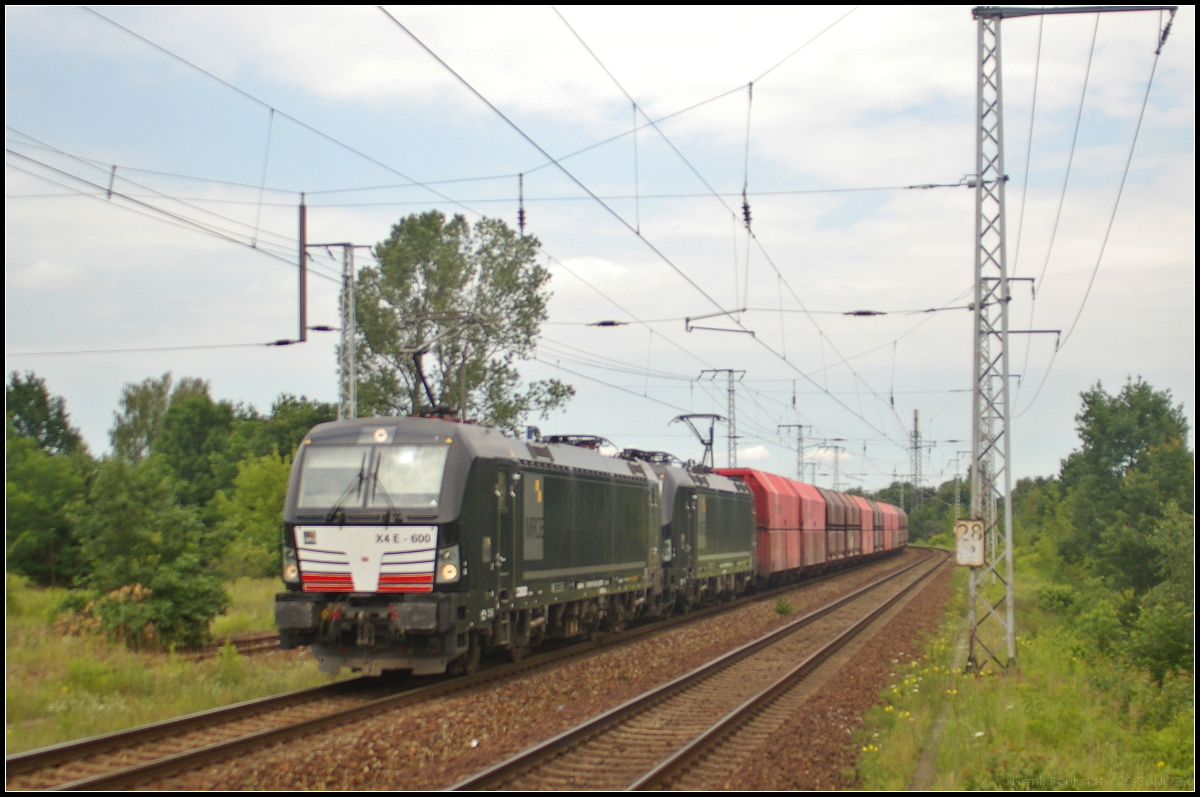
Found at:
[593, 360]
[1111, 219]
[702, 179]
[1070, 159]
[275, 343]
[262, 184]
[855, 313]
[263, 181]
[108, 193]
[164, 216]
[746, 214]
[789, 311]
[501, 200]
[562, 168]
[611, 385]
[412, 182]
[315, 130]
[622, 308]
[822, 32]
[1037, 66]
[284, 114]
[172, 218]
[425, 184]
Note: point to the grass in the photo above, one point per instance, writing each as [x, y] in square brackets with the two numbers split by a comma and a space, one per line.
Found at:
[252, 607]
[784, 607]
[1063, 719]
[60, 687]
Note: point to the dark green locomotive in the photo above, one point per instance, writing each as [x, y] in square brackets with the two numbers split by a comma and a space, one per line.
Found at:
[417, 543]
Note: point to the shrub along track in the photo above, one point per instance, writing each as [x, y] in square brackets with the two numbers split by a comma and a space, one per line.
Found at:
[163, 749]
[678, 734]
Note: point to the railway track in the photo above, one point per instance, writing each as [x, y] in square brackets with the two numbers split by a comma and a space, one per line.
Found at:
[663, 738]
[245, 645]
[128, 758]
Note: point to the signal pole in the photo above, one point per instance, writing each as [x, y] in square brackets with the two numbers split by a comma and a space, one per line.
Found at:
[799, 447]
[348, 351]
[991, 475]
[348, 361]
[733, 435]
[915, 437]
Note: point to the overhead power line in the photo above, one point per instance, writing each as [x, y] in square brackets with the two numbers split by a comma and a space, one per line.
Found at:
[466, 84]
[274, 343]
[509, 200]
[810, 41]
[284, 114]
[745, 220]
[412, 182]
[1111, 217]
[348, 147]
[284, 242]
[171, 218]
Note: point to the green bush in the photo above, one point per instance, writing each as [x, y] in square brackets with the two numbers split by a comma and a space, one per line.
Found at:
[149, 557]
[251, 515]
[1056, 598]
[1161, 639]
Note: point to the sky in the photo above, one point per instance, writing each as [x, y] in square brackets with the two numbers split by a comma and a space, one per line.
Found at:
[216, 119]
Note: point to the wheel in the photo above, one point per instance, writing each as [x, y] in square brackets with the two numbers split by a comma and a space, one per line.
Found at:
[517, 652]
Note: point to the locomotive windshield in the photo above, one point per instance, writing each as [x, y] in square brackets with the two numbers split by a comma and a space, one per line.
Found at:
[409, 475]
[372, 476]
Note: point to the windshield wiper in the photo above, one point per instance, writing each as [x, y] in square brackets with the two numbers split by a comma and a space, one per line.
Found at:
[355, 486]
[377, 484]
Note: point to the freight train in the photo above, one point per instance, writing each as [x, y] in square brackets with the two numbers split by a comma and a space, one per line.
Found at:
[420, 544]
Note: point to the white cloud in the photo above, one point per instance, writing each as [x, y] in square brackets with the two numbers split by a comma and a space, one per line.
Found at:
[828, 455]
[753, 453]
[43, 276]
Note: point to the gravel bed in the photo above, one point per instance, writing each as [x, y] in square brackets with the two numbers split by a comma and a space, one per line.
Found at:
[435, 744]
[815, 749]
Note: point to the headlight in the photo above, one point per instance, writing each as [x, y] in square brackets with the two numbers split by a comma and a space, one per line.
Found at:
[291, 569]
[448, 564]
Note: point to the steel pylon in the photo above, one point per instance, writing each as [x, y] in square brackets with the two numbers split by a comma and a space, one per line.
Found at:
[348, 351]
[990, 600]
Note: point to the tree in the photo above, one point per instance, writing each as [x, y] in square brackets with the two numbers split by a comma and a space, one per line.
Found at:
[282, 431]
[1163, 633]
[193, 442]
[38, 488]
[34, 413]
[151, 559]
[473, 299]
[144, 406]
[1133, 464]
[251, 513]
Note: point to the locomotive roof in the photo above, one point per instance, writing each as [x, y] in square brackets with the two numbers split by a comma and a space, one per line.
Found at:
[672, 477]
[480, 441]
